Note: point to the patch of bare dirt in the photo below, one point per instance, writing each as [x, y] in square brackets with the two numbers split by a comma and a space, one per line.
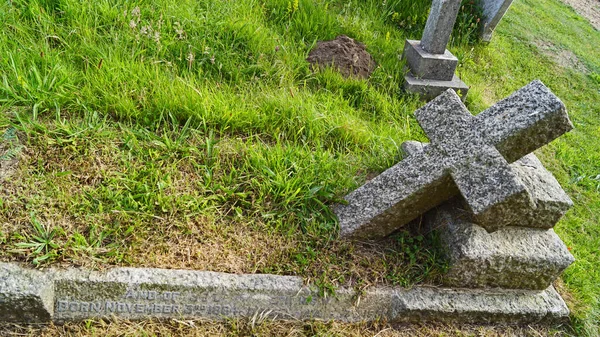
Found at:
[589, 9]
[563, 57]
[345, 54]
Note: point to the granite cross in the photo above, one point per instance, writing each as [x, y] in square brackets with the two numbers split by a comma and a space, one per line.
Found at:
[469, 155]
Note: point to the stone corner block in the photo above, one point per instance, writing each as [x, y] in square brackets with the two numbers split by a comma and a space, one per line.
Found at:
[26, 296]
[425, 65]
[430, 89]
[511, 257]
[551, 201]
[491, 306]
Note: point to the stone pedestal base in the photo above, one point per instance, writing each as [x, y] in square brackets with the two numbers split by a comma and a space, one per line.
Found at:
[430, 89]
[429, 66]
[431, 74]
[511, 258]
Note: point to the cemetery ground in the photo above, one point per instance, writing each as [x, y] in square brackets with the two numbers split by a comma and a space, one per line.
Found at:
[194, 135]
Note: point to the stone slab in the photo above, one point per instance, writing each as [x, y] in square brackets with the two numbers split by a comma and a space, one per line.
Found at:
[510, 258]
[429, 66]
[430, 89]
[25, 295]
[468, 154]
[439, 25]
[493, 11]
[138, 293]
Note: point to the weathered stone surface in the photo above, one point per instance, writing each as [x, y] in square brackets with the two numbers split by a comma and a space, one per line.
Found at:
[424, 65]
[135, 293]
[430, 89]
[154, 293]
[25, 295]
[493, 11]
[480, 306]
[526, 120]
[512, 257]
[439, 25]
[467, 154]
[549, 199]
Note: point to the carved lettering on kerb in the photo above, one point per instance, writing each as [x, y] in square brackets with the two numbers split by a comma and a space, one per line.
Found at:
[151, 295]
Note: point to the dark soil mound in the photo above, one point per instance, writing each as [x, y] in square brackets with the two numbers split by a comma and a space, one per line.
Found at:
[345, 54]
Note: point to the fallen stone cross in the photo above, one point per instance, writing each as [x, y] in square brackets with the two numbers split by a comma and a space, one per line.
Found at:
[468, 155]
[431, 66]
[531, 256]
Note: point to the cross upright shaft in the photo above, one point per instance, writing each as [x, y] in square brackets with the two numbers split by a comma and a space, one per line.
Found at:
[439, 25]
[467, 155]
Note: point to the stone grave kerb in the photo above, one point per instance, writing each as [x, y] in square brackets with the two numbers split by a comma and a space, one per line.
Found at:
[469, 155]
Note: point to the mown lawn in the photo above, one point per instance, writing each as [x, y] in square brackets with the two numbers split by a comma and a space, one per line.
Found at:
[193, 134]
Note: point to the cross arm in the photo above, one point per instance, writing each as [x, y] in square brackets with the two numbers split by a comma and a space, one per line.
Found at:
[528, 119]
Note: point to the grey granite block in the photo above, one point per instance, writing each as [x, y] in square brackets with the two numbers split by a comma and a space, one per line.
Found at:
[493, 11]
[550, 202]
[430, 89]
[512, 257]
[25, 295]
[481, 306]
[494, 193]
[396, 196]
[523, 122]
[138, 293]
[135, 293]
[439, 25]
[424, 65]
[469, 155]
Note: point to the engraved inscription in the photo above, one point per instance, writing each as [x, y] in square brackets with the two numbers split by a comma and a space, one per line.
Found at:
[150, 302]
[214, 303]
[112, 307]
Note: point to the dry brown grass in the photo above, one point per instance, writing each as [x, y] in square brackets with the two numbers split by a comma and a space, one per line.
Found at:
[269, 328]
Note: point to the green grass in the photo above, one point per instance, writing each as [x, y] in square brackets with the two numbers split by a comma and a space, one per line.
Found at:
[193, 134]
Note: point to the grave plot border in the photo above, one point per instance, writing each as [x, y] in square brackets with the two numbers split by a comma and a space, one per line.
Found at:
[33, 296]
